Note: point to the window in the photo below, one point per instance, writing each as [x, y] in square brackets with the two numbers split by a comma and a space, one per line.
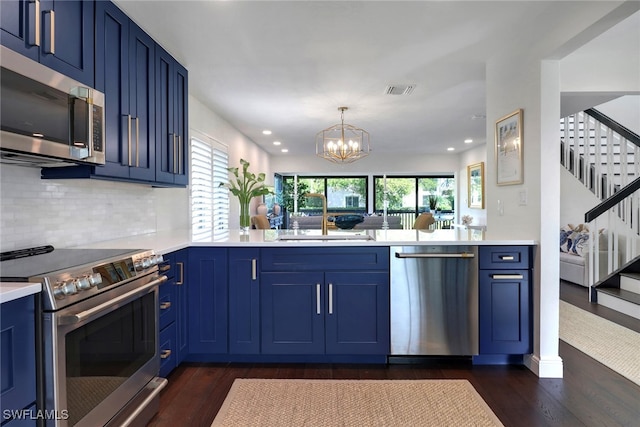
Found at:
[209, 201]
[342, 193]
[408, 196]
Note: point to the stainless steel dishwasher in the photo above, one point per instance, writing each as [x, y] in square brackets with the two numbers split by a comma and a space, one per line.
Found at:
[434, 300]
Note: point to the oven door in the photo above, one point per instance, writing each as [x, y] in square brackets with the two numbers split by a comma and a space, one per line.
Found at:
[99, 353]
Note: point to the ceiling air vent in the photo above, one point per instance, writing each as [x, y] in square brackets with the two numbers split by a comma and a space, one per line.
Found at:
[399, 89]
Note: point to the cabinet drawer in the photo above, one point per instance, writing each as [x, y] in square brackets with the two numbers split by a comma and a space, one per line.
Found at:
[167, 304]
[322, 259]
[167, 350]
[504, 257]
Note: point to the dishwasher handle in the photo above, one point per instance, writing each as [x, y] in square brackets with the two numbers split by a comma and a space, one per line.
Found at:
[435, 255]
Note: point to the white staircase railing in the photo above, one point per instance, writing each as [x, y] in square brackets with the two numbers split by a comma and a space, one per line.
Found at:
[606, 160]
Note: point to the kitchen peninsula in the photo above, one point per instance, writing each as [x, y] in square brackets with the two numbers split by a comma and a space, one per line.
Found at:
[299, 295]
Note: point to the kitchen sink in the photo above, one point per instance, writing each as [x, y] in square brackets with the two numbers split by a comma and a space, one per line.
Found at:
[334, 237]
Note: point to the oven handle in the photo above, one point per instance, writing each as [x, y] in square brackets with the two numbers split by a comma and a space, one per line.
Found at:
[84, 315]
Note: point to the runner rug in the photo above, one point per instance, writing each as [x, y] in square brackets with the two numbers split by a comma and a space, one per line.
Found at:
[297, 402]
[615, 346]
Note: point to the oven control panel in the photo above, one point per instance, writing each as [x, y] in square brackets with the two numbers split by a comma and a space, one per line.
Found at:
[67, 287]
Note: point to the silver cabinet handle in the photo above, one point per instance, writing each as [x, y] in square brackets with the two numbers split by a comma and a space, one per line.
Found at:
[36, 22]
[175, 153]
[507, 276]
[137, 142]
[254, 269]
[435, 255]
[330, 298]
[165, 305]
[52, 31]
[181, 280]
[165, 354]
[506, 257]
[87, 314]
[318, 308]
[129, 139]
[179, 154]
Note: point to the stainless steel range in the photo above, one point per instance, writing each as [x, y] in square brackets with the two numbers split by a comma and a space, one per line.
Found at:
[97, 333]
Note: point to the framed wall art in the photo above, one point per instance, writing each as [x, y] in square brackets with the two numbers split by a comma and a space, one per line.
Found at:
[509, 161]
[475, 185]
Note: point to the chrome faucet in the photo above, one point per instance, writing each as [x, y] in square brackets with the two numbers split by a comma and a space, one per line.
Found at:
[324, 210]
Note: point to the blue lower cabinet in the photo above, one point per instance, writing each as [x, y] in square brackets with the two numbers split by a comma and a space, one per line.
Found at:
[167, 350]
[292, 306]
[208, 301]
[357, 319]
[505, 312]
[244, 301]
[167, 304]
[17, 360]
[333, 313]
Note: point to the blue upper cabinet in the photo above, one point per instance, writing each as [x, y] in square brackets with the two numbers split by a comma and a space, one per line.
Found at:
[171, 120]
[124, 72]
[58, 34]
[145, 106]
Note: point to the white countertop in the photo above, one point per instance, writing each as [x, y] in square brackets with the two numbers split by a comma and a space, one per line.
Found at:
[172, 240]
[10, 291]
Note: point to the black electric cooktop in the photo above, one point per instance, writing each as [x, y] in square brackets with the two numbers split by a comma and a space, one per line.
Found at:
[27, 266]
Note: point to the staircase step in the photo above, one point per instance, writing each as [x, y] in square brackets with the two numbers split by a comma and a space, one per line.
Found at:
[620, 300]
[630, 282]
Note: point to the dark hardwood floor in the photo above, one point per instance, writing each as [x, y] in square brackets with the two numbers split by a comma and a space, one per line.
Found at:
[590, 394]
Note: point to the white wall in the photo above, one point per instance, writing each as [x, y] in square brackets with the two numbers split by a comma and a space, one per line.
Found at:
[64, 213]
[204, 121]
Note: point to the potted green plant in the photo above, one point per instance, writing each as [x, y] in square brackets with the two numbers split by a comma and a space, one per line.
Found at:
[433, 202]
[247, 185]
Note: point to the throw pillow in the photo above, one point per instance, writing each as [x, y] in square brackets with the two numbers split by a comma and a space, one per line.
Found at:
[565, 232]
[579, 243]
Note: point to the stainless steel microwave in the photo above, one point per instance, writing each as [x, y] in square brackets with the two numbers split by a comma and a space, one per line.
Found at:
[47, 119]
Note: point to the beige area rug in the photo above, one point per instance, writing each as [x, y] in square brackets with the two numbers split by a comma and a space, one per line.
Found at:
[295, 402]
[613, 345]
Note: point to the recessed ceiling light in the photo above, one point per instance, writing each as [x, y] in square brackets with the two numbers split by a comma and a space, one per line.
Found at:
[451, 149]
[266, 132]
[285, 150]
[468, 141]
[277, 142]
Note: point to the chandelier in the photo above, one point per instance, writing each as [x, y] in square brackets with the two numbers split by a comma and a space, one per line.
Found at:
[342, 143]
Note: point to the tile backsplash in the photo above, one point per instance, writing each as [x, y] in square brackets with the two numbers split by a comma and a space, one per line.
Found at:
[65, 213]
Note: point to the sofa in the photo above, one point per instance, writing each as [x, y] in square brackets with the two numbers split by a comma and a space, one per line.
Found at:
[373, 222]
[574, 255]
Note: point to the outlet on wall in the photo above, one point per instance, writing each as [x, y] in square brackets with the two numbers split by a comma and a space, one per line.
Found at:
[522, 199]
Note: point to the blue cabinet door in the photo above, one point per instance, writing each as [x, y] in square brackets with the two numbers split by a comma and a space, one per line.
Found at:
[181, 284]
[171, 120]
[58, 34]
[68, 38]
[112, 78]
[208, 298]
[17, 355]
[292, 306]
[244, 301]
[357, 313]
[18, 20]
[140, 146]
[505, 312]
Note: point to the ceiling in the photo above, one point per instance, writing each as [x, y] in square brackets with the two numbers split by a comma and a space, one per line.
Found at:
[288, 66]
